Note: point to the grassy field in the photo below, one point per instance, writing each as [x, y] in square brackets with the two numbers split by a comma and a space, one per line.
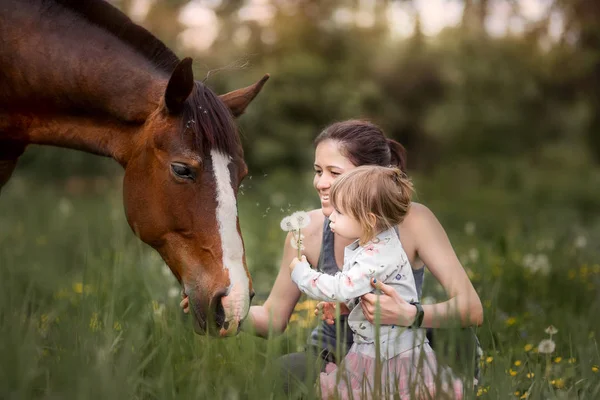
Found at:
[87, 311]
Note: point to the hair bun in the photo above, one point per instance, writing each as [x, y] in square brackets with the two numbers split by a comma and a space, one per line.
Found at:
[398, 154]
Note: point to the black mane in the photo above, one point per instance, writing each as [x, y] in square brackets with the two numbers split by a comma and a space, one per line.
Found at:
[210, 121]
[111, 19]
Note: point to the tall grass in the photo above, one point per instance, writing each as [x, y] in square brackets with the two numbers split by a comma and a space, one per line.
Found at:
[88, 311]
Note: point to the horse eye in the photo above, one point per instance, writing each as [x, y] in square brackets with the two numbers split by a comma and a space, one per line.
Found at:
[182, 171]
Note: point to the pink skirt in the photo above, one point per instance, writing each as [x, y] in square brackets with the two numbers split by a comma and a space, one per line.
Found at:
[413, 374]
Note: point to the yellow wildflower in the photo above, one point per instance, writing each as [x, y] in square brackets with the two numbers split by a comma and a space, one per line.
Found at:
[306, 305]
[78, 287]
[511, 321]
[572, 360]
[512, 372]
[95, 323]
[558, 383]
[528, 347]
[530, 375]
[525, 395]
[517, 393]
[489, 360]
[595, 368]
[558, 359]
[517, 363]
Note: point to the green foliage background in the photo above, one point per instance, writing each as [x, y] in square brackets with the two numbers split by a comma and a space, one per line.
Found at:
[503, 144]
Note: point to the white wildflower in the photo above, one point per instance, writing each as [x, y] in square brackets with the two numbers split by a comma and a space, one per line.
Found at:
[288, 224]
[551, 330]
[470, 228]
[580, 242]
[65, 207]
[537, 263]
[473, 255]
[546, 346]
[302, 219]
[174, 292]
[294, 223]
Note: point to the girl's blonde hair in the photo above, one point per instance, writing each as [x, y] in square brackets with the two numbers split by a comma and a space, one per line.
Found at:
[377, 197]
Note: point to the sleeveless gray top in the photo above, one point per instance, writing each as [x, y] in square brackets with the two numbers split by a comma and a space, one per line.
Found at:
[324, 335]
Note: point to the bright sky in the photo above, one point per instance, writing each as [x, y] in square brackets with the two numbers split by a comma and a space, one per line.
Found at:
[435, 15]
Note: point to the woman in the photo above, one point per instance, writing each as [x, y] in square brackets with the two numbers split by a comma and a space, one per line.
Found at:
[339, 148]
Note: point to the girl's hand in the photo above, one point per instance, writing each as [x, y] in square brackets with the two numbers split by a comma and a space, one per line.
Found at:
[295, 261]
[392, 309]
[185, 304]
[327, 311]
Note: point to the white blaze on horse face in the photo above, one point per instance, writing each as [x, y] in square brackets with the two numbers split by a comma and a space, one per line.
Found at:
[237, 302]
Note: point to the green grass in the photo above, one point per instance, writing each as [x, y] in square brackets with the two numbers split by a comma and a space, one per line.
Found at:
[87, 312]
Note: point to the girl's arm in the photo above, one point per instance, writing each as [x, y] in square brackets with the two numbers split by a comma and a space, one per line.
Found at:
[353, 282]
[434, 249]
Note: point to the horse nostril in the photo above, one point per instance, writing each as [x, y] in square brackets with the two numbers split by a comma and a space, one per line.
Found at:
[217, 305]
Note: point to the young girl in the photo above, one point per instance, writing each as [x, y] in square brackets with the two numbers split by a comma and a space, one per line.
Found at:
[368, 202]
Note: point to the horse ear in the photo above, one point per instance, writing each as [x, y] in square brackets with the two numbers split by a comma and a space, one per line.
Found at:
[180, 86]
[238, 100]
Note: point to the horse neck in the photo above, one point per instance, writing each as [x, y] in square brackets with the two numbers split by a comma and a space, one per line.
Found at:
[81, 77]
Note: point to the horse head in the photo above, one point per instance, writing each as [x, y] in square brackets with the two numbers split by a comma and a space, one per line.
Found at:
[180, 195]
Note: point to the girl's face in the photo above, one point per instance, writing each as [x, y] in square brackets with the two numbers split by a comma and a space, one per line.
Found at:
[344, 225]
[329, 164]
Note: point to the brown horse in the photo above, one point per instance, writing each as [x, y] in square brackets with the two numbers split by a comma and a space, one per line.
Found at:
[79, 74]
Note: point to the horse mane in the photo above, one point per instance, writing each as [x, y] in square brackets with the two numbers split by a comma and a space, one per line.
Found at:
[108, 17]
[210, 121]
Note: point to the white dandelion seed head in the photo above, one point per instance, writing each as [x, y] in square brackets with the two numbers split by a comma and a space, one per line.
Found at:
[546, 346]
[288, 224]
[302, 219]
[551, 330]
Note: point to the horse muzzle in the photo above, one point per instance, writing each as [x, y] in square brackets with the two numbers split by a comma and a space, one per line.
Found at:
[222, 315]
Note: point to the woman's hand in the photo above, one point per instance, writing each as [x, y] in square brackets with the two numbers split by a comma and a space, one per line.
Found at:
[185, 304]
[393, 309]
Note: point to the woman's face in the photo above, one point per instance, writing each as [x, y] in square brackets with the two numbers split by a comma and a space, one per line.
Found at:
[329, 164]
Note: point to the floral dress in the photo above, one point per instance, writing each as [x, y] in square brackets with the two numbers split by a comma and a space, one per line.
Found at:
[408, 364]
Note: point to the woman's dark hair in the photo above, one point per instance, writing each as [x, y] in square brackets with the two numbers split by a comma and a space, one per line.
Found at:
[364, 143]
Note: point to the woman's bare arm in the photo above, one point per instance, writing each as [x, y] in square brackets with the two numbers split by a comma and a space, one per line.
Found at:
[434, 249]
[274, 314]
